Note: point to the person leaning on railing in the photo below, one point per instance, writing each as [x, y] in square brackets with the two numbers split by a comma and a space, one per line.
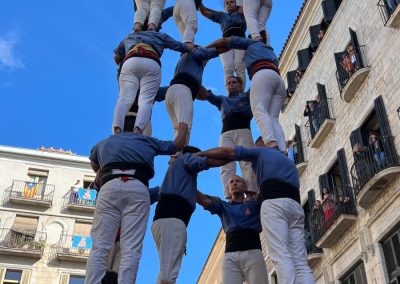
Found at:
[376, 146]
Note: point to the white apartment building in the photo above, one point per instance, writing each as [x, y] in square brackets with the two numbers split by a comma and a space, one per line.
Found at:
[341, 63]
[45, 215]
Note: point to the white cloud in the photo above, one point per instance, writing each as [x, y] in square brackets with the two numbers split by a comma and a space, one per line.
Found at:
[8, 54]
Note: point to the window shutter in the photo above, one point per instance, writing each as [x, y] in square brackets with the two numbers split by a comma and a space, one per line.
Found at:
[382, 117]
[324, 182]
[329, 8]
[314, 31]
[311, 200]
[2, 273]
[324, 107]
[82, 229]
[356, 46]
[357, 136]
[26, 277]
[38, 172]
[344, 171]
[290, 76]
[304, 57]
[300, 153]
[389, 258]
[64, 279]
[25, 225]
[396, 246]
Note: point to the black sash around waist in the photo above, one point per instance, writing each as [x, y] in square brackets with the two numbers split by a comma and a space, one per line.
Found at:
[189, 81]
[273, 189]
[234, 31]
[173, 206]
[241, 240]
[235, 121]
[142, 172]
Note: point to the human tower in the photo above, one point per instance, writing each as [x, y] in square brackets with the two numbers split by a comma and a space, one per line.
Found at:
[266, 198]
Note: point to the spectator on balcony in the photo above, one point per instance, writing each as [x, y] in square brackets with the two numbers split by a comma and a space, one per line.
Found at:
[286, 102]
[74, 190]
[347, 64]
[298, 76]
[292, 150]
[353, 58]
[321, 34]
[317, 218]
[376, 147]
[328, 205]
[342, 206]
[313, 111]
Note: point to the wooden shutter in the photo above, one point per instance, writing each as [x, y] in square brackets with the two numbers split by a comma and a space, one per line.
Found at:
[324, 182]
[64, 279]
[358, 136]
[344, 171]
[82, 229]
[304, 57]
[356, 46]
[311, 200]
[290, 76]
[300, 153]
[314, 31]
[323, 102]
[25, 225]
[329, 8]
[38, 172]
[382, 117]
[26, 277]
[2, 273]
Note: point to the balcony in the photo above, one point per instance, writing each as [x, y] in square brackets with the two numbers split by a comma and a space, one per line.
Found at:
[30, 193]
[74, 248]
[22, 243]
[374, 168]
[390, 13]
[81, 199]
[314, 254]
[320, 123]
[297, 155]
[336, 215]
[352, 70]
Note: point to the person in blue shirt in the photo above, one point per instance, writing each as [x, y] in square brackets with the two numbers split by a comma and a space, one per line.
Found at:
[232, 23]
[267, 91]
[176, 202]
[282, 216]
[184, 87]
[236, 116]
[141, 53]
[124, 163]
[240, 218]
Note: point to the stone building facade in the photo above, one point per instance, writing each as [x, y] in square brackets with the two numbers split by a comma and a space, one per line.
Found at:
[341, 64]
[45, 215]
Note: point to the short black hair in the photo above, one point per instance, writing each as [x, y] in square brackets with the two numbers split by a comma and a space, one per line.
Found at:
[190, 149]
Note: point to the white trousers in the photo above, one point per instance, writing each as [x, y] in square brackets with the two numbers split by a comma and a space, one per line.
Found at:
[137, 72]
[266, 100]
[233, 61]
[241, 266]
[179, 103]
[170, 236]
[151, 9]
[185, 17]
[114, 258]
[256, 13]
[232, 138]
[282, 220]
[125, 205]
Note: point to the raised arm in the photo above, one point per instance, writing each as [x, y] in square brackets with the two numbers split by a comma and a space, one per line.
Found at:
[203, 200]
[209, 13]
[166, 14]
[222, 153]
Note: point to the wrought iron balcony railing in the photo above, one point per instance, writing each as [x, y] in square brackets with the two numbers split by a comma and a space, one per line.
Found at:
[32, 191]
[19, 239]
[387, 8]
[71, 246]
[317, 116]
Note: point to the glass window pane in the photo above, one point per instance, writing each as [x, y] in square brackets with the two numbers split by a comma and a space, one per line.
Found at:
[76, 279]
[13, 275]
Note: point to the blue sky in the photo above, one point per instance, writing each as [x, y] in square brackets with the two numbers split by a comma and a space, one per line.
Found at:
[58, 88]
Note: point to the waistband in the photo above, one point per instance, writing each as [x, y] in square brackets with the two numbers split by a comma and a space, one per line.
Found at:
[260, 65]
[173, 206]
[234, 31]
[189, 81]
[241, 240]
[273, 189]
[138, 171]
[143, 50]
[235, 121]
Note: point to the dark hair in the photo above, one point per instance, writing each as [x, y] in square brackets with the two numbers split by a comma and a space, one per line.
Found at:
[190, 149]
[237, 78]
[259, 139]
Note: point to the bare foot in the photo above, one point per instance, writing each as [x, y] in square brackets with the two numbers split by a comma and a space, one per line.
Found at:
[138, 27]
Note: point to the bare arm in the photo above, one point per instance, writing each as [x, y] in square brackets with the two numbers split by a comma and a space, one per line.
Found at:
[222, 43]
[214, 163]
[203, 200]
[203, 94]
[221, 153]
[206, 12]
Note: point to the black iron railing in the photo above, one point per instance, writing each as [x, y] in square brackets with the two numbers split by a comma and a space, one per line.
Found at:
[339, 201]
[348, 63]
[370, 160]
[74, 245]
[22, 240]
[310, 244]
[81, 196]
[322, 111]
[386, 9]
[32, 190]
